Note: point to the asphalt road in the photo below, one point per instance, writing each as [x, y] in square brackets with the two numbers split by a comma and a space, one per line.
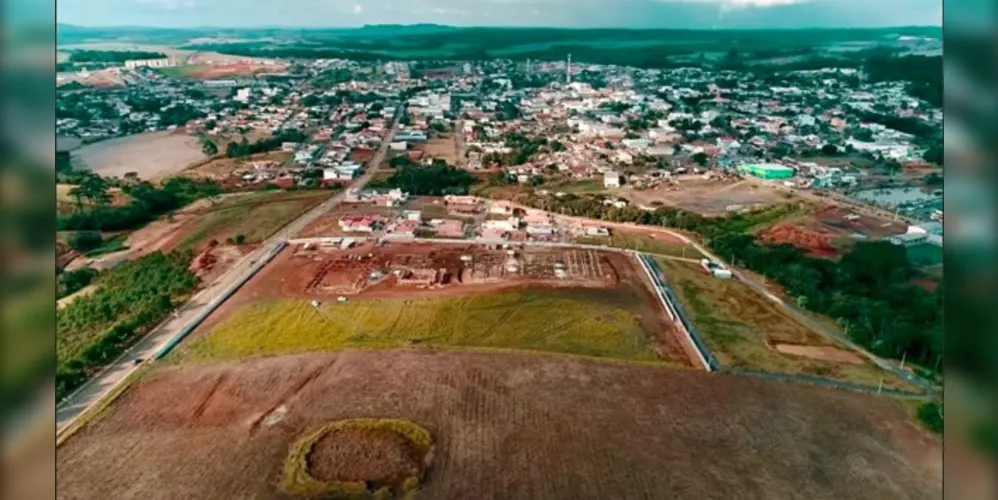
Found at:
[70, 409]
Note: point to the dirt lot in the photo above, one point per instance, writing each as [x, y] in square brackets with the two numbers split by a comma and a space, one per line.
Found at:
[223, 169]
[442, 146]
[610, 282]
[213, 72]
[706, 197]
[152, 155]
[746, 330]
[506, 426]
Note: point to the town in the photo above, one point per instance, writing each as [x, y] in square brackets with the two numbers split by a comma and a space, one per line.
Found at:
[421, 256]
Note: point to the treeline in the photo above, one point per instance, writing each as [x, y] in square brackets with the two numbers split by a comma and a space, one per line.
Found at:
[868, 289]
[70, 282]
[95, 329]
[147, 203]
[924, 74]
[438, 179]
[273, 143]
[112, 56]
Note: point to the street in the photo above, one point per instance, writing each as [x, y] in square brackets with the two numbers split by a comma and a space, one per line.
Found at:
[88, 395]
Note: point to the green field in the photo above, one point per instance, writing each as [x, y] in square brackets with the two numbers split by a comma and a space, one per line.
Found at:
[643, 243]
[256, 216]
[184, 71]
[516, 320]
[735, 321]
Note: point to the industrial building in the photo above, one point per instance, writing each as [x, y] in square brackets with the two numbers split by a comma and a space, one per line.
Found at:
[767, 170]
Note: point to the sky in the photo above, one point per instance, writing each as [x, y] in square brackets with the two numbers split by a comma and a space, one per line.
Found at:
[692, 14]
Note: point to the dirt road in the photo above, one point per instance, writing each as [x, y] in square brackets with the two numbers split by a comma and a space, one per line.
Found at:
[87, 396]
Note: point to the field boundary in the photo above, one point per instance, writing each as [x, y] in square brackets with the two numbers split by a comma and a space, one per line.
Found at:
[677, 313]
[825, 382]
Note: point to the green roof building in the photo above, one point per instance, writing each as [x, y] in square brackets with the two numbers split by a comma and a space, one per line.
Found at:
[767, 170]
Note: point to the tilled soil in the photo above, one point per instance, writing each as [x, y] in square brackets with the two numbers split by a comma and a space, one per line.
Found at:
[506, 426]
[376, 456]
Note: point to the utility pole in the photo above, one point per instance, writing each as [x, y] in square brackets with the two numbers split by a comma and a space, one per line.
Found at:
[881, 387]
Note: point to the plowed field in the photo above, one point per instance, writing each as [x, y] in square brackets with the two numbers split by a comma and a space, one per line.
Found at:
[506, 426]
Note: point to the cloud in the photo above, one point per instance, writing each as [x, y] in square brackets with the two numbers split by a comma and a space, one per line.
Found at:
[745, 4]
[358, 8]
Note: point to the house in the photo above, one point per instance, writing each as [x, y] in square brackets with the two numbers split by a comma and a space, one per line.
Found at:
[415, 215]
[597, 231]
[403, 229]
[359, 223]
[398, 146]
[611, 179]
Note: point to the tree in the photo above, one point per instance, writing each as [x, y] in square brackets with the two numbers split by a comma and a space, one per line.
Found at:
[209, 148]
[934, 155]
[239, 239]
[829, 150]
[700, 159]
[84, 241]
[557, 146]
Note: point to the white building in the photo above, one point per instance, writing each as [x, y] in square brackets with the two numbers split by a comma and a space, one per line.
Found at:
[611, 179]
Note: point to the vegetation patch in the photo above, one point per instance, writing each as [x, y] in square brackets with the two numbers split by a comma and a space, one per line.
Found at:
[359, 458]
[95, 329]
[515, 320]
[743, 329]
[255, 217]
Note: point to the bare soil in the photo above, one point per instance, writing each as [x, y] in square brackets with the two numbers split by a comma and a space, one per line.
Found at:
[506, 426]
[327, 274]
[152, 155]
[821, 352]
[376, 456]
[707, 197]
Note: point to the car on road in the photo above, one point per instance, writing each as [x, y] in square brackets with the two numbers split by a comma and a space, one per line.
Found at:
[138, 361]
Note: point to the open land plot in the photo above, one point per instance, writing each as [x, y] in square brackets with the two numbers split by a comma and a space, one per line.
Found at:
[746, 330]
[431, 207]
[151, 155]
[426, 295]
[256, 216]
[442, 146]
[505, 425]
[828, 230]
[220, 169]
[708, 197]
[649, 242]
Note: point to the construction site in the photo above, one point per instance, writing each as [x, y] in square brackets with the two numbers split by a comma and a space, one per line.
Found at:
[344, 266]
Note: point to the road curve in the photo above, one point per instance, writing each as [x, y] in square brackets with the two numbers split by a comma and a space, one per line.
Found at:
[111, 377]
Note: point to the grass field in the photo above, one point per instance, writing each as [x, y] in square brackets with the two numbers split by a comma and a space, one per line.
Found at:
[574, 186]
[515, 320]
[184, 71]
[644, 243]
[736, 323]
[257, 216]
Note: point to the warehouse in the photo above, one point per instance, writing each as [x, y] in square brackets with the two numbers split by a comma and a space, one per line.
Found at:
[767, 170]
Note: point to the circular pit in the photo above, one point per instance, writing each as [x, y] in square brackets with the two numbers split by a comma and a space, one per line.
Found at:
[359, 458]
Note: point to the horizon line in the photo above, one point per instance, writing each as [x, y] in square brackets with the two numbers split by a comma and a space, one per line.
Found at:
[298, 27]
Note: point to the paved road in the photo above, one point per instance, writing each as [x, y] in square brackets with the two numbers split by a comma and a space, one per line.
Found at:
[111, 377]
